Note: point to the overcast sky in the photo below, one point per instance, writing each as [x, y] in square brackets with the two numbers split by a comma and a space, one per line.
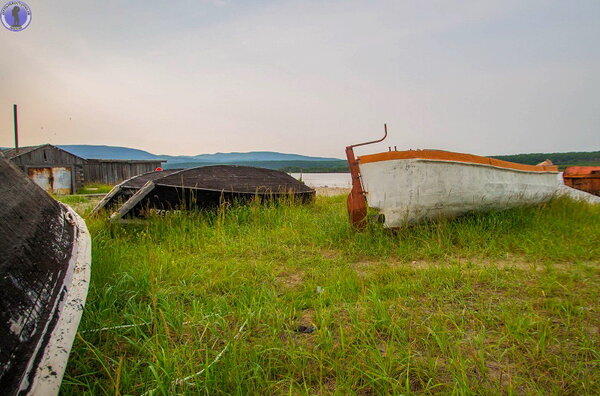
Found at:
[307, 77]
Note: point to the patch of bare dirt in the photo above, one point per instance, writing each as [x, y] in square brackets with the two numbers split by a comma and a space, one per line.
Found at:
[332, 191]
[363, 266]
[330, 254]
[291, 280]
[307, 317]
[327, 388]
[499, 374]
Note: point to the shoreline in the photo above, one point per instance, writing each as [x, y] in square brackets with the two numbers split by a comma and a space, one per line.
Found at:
[331, 191]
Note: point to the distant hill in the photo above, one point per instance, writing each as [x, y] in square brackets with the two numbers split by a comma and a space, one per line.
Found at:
[115, 152]
[334, 166]
[296, 162]
[108, 152]
[590, 158]
[258, 156]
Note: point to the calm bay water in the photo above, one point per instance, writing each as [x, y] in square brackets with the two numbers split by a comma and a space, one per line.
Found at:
[325, 179]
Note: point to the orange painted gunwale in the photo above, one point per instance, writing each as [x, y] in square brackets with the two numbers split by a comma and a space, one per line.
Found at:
[582, 171]
[441, 155]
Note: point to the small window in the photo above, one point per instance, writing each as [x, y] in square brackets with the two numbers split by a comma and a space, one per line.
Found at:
[45, 156]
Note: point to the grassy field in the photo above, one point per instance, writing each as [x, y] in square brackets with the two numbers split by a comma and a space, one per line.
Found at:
[94, 188]
[289, 300]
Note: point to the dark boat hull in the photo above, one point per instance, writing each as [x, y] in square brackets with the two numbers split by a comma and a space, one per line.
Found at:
[165, 198]
[44, 274]
[204, 188]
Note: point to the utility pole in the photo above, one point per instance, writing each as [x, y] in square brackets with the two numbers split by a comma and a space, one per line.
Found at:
[16, 128]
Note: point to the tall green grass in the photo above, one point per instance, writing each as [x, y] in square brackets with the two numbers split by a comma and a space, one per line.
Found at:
[94, 188]
[502, 302]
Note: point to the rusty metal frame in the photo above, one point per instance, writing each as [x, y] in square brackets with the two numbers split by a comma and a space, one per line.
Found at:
[357, 202]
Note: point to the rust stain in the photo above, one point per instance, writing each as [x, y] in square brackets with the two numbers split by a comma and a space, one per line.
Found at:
[42, 177]
[56, 180]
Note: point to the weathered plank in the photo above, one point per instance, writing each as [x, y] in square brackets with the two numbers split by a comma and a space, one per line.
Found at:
[132, 202]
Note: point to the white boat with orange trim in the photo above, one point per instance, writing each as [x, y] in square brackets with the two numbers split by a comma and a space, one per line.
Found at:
[411, 186]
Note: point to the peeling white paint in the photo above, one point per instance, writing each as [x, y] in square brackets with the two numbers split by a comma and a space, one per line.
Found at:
[51, 368]
[17, 326]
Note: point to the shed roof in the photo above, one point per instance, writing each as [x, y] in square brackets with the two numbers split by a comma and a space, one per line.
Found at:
[12, 152]
[125, 161]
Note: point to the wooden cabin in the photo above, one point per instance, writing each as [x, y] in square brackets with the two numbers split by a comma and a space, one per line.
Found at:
[60, 172]
[55, 170]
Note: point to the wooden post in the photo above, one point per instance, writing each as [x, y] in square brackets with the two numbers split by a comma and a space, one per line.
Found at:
[16, 128]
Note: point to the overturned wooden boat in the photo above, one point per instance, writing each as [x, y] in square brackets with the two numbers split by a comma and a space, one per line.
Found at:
[126, 189]
[208, 187]
[411, 186]
[44, 276]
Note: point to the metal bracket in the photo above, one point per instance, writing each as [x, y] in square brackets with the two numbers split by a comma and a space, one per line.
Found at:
[356, 202]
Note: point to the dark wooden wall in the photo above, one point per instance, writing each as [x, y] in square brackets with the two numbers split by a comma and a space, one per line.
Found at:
[115, 171]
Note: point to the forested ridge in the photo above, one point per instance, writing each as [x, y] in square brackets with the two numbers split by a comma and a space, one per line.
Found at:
[576, 158]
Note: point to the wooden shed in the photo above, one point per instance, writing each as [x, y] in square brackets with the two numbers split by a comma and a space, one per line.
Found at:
[110, 171]
[55, 170]
[60, 172]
